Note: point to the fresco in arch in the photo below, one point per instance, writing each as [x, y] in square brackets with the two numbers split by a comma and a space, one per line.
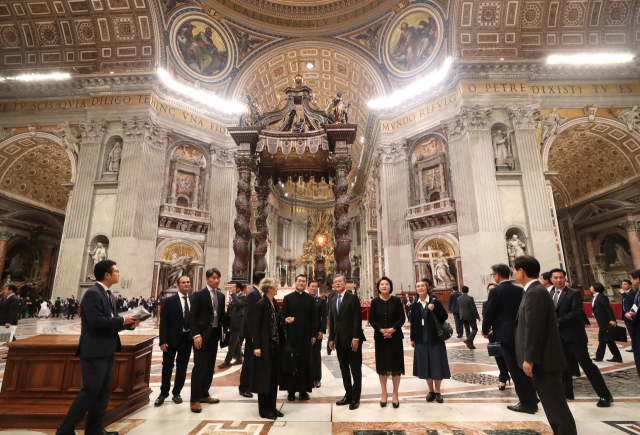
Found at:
[201, 48]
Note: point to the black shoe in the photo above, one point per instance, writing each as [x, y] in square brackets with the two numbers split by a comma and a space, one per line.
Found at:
[570, 397]
[629, 350]
[237, 362]
[160, 399]
[278, 413]
[317, 384]
[431, 396]
[246, 394]
[224, 365]
[304, 396]
[396, 405]
[177, 399]
[271, 416]
[354, 405]
[104, 432]
[522, 408]
[615, 360]
[502, 387]
[439, 398]
[383, 404]
[604, 403]
[291, 397]
[344, 401]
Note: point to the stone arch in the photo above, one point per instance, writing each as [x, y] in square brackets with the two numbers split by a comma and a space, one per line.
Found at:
[601, 236]
[590, 156]
[450, 240]
[167, 243]
[35, 214]
[34, 169]
[607, 204]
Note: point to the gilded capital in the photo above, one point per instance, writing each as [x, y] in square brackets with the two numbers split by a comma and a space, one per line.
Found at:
[94, 130]
[523, 117]
[630, 226]
[396, 152]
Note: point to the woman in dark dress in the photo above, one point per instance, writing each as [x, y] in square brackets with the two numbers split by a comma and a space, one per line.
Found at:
[386, 316]
[503, 377]
[430, 360]
[604, 315]
[267, 331]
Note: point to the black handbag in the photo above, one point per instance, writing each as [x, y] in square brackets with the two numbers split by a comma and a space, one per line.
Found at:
[494, 349]
[289, 356]
[445, 331]
[615, 333]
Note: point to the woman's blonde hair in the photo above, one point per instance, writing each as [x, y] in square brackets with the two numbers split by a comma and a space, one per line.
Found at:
[266, 284]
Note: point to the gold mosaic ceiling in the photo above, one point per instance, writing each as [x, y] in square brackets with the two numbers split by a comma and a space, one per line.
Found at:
[591, 157]
[34, 168]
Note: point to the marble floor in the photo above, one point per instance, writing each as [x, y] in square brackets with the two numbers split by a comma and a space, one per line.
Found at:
[473, 404]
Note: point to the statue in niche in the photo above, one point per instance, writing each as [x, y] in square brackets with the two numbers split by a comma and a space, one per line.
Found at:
[7, 281]
[202, 160]
[98, 253]
[16, 265]
[623, 258]
[515, 248]
[113, 161]
[337, 110]
[442, 273]
[503, 148]
[178, 268]
[288, 120]
[631, 117]
[549, 124]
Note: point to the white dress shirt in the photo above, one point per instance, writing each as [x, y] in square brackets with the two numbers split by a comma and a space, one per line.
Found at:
[529, 284]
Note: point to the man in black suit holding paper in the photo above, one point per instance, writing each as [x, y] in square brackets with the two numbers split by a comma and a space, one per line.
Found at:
[253, 296]
[568, 307]
[502, 309]
[10, 310]
[208, 327]
[346, 337]
[538, 345]
[175, 324]
[99, 341]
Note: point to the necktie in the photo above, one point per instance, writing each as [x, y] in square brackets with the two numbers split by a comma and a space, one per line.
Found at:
[339, 299]
[185, 315]
[110, 295]
[556, 294]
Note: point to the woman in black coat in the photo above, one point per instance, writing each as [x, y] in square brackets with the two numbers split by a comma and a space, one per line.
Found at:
[430, 360]
[386, 316]
[268, 337]
[604, 315]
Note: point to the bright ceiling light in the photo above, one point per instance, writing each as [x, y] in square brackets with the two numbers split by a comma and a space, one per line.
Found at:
[213, 101]
[590, 58]
[37, 77]
[414, 89]
[310, 65]
[361, 139]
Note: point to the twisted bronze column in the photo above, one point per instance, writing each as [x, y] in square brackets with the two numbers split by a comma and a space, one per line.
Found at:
[342, 247]
[242, 221]
[262, 230]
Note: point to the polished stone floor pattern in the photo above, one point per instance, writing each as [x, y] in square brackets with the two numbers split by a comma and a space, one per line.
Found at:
[473, 404]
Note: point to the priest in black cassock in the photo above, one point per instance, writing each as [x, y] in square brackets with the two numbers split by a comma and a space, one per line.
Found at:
[299, 313]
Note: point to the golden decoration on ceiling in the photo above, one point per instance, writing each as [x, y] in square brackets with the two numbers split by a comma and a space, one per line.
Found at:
[181, 249]
[434, 245]
[320, 225]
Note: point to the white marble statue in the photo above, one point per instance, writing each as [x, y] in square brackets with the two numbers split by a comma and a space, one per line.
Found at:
[442, 274]
[502, 148]
[98, 253]
[113, 163]
[7, 281]
[623, 258]
[631, 117]
[177, 269]
[549, 124]
[16, 263]
[70, 137]
[515, 248]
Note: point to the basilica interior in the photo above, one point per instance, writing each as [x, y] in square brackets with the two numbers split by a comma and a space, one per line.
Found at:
[369, 138]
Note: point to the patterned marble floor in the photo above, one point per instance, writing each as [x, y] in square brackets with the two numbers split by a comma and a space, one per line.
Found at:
[473, 403]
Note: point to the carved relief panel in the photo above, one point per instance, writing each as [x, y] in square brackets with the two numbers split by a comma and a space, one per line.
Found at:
[428, 168]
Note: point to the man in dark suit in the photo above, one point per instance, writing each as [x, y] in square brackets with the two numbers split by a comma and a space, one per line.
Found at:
[502, 309]
[330, 298]
[628, 296]
[346, 337]
[253, 296]
[99, 341]
[453, 309]
[468, 313]
[538, 345]
[10, 310]
[208, 327]
[235, 314]
[633, 316]
[72, 307]
[57, 306]
[568, 308]
[316, 349]
[175, 324]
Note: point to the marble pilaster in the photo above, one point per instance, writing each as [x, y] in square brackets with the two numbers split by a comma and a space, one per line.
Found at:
[394, 198]
[631, 227]
[79, 207]
[542, 238]
[139, 196]
[475, 191]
